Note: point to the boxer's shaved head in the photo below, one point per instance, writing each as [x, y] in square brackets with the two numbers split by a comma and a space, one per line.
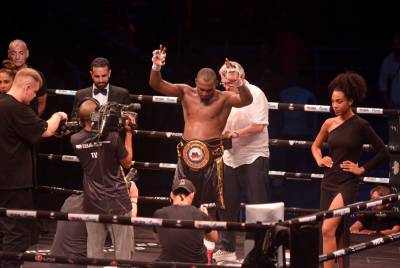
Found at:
[207, 75]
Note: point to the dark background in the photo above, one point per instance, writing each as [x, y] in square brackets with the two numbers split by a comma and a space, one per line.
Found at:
[280, 43]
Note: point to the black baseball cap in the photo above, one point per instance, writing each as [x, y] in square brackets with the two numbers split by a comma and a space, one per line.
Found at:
[183, 184]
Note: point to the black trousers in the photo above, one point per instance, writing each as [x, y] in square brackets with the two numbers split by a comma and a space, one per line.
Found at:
[16, 232]
[250, 181]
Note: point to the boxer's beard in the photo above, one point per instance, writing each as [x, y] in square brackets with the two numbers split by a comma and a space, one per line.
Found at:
[206, 99]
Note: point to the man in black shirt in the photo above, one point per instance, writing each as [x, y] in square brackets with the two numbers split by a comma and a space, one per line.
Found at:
[20, 128]
[71, 237]
[104, 190]
[18, 53]
[183, 245]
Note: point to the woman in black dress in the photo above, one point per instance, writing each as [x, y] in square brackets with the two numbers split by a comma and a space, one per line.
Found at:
[345, 134]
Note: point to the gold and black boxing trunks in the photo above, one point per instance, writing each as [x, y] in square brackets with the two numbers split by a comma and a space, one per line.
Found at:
[198, 154]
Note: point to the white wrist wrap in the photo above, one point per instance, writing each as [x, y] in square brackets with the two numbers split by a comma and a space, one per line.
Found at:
[156, 67]
[238, 83]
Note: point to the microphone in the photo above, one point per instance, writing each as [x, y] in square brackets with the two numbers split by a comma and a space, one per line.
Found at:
[134, 107]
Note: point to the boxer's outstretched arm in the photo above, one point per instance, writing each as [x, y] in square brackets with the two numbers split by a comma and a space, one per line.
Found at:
[156, 80]
[243, 98]
[164, 87]
[231, 73]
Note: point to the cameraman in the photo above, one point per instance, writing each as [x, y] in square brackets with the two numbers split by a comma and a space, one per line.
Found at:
[104, 190]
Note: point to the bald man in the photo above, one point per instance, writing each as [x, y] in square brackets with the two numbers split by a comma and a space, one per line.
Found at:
[20, 128]
[205, 111]
[18, 53]
[105, 191]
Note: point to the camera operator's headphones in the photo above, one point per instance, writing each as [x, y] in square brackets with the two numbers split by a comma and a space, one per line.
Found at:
[82, 120]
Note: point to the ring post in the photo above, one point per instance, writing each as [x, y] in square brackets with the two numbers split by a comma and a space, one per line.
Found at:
[394, 142]
[264, 213]
[304, 245]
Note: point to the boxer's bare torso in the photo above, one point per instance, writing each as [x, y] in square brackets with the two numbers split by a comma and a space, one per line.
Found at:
[204, 121]
[205, 109]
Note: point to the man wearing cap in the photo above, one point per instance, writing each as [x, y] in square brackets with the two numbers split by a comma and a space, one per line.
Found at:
[183, 245]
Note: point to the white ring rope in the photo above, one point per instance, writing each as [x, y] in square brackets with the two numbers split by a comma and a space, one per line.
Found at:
[172, 167]
[272, 105]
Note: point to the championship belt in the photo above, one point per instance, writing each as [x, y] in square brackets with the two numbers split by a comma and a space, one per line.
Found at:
[196, 154]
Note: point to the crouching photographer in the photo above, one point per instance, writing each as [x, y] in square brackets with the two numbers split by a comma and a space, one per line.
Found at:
[101, 151]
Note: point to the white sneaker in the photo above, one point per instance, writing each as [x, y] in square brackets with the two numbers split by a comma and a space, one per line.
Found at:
[223, 255]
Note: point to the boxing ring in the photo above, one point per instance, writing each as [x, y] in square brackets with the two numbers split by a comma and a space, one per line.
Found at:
[277, 232]
[277, 227]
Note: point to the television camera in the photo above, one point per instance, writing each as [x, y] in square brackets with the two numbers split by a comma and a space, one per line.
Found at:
[108, 117]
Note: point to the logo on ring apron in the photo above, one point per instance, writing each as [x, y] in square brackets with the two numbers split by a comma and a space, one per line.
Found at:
[196, 154]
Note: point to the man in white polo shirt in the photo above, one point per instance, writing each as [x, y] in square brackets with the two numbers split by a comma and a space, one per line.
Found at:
[246, 164]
